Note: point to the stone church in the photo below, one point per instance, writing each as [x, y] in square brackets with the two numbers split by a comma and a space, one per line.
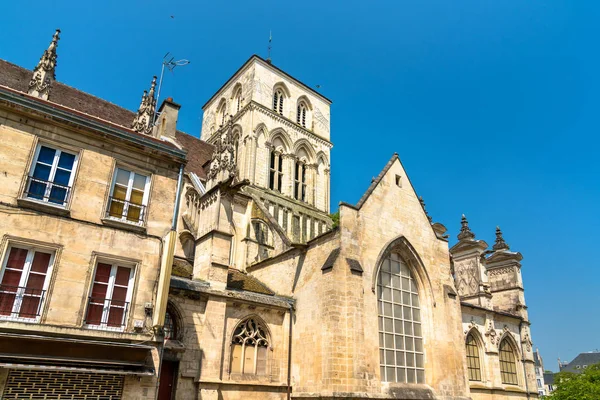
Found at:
[256, 293]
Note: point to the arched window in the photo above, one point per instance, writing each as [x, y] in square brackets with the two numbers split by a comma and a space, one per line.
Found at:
[170, 327]
[261, 232]
[237, 100]
[249, 349]
[301, 114]
[508, 363]
[221, 113]
[473, 362]
[400, 336]
[275, 170]
[278, 101]
[300, 181]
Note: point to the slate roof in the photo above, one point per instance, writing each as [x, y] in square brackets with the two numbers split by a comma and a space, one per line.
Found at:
[549, 379]
[238, 280]
[331, 259]
[582, 359]
[199, 153]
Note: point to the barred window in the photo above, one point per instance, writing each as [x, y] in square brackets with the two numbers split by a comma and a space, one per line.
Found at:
[400, 335]
[249, 349]
[508, 364]
[473, 362]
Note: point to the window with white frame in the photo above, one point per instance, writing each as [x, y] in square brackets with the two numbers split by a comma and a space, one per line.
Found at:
[129, 196]
[110, 299]
[275, 170]
[400, 335]
[249, 350]
[51, 177]
[24, 281]
[278, 98]
[300, 181]
[301, 114]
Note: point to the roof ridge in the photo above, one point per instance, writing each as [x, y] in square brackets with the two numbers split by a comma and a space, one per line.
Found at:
[376, 181]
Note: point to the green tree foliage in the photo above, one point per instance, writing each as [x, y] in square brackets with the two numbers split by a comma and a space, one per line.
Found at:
[583, 386]
[335, 217]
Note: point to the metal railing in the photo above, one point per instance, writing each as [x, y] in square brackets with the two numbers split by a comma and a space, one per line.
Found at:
[106, 312]
[21, 302]
[47, 191]
[125, 210]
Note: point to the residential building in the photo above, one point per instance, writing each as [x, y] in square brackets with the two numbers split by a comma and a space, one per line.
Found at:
[540, 373]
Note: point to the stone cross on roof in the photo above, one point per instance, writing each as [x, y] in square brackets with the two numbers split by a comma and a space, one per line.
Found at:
[45, 71]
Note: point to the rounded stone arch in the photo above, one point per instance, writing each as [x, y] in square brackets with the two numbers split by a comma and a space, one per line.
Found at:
[408, 253]
[303, 144]
[283, 137]
[177, 314]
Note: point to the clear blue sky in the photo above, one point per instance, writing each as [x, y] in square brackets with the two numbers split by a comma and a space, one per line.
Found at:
[492, 106]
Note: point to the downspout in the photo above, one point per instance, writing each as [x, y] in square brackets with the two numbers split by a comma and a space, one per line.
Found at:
[164, 279]
[523, 361]
[289, 366]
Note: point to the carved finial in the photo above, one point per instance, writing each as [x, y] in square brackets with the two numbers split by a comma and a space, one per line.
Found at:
[500, 243]
[465, 231]
[424, 209]
[45, 71]
[142, 122]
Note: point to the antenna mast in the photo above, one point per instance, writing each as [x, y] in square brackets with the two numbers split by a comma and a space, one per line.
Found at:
[269, 48]
[170, 63]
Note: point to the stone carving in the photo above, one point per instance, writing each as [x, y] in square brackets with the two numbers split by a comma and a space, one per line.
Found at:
[526, 340]
[471, 325]
[321, 119]
[467, 277]
[144, 119]
[465, 231]
[500, 243]
[45, 71]
[500, 271]
[223, 158]
[424, 209]
[491, 333]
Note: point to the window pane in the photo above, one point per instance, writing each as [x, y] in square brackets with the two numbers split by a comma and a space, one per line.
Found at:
[122, 277]
[134, 213]
[119, 192]
[40, 262]
[16, 258]
[46, 155]
[102, 273]
[37, 190]
[249, 360]
[66, 161]
[62, 177]
[139, 182]
[41, 172]
[35, 284]
[116, 208]
[122, 177]
[30, 306]
[58, 195]
[119, 296]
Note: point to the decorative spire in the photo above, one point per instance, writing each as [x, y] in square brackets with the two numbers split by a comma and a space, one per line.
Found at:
[500, 243]
[424, 209]
[465, 231]
[45, 72]
[142, 122]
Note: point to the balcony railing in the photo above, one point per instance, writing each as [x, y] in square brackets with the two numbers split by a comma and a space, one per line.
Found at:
[47, 191]
[20, 302]
[106, 313]
[125, 211]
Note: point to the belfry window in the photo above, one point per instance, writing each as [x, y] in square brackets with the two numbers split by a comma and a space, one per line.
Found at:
[221, 113]
[508, 364]
[300, 181]
[278, 101]
[400, 335]
[473, 362]
[249, 349]
[237, 98]
[275, 171]
[301, 114]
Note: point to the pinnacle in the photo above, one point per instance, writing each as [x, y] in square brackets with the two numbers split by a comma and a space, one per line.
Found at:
[500, 243]
[465, 231]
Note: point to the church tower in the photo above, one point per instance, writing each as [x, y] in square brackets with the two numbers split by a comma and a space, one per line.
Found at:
[273, 132]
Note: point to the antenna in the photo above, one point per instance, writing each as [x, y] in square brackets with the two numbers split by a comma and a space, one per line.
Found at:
[269, 48]
[170, 63]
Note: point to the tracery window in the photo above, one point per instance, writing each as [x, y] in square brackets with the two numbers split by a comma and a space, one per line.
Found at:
[275, 171]
[400, 334]
[301, 114]
[473, 361]
[278, 101]
[249, 349]
[508, 363]
[300, 181]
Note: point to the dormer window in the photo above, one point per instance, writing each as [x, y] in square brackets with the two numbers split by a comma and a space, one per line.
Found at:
[301, 114]
[278, 101]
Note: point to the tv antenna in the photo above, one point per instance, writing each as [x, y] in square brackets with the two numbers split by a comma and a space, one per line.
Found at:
[269, 48]
[170, 63]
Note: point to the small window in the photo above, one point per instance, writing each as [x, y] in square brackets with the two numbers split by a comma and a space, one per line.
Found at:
[221, 111]
[110, 298]
[301, 114]
[278, 101]
[508, 364]
[51, 176]
[237, 98]
[24, 282]
[170, 327]
[473, 362]
[300, 181]
[249, 349]
[128, 197]
[275, 171]
[398, 181]
[261, 232]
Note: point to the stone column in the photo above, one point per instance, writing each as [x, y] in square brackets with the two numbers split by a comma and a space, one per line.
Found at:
[326, 190]
[311, 183]
[251, 159]
[289, 163]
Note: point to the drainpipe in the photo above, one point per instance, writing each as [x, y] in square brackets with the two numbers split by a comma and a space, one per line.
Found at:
[164, 279]
[523, 361]
[289, 369]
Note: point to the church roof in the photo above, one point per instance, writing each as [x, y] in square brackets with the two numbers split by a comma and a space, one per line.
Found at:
[238, 280]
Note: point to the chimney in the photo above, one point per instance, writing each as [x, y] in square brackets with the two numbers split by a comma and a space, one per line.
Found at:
[166, 125]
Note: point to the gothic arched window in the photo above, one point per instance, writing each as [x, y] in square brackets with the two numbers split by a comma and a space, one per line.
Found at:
[473, 361]
[237, 99]
[301, 114]
[508, 363]
[300, 181]
[278, 97]
[249, 348]
[400, 335]
[275, 170]
[221, 110]
[261, 232]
